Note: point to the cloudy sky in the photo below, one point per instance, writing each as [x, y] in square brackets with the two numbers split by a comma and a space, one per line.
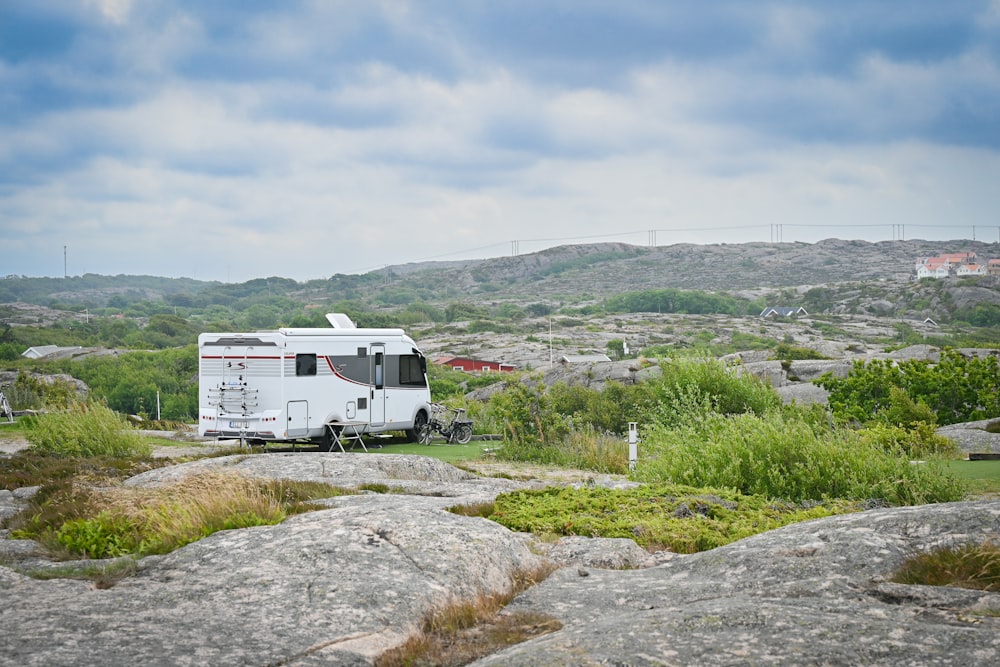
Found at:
[236, 139]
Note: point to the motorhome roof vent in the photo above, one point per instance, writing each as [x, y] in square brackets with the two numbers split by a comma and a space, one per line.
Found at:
[339, 321]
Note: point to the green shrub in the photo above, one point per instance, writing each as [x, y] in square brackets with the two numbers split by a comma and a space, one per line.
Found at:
[956, 389]
[528, 416]
[919, 441]
[85, 429]
[725, 390]
[904, 411]
[789, 352]
[36, 392]
[106, 535]
[787, 457]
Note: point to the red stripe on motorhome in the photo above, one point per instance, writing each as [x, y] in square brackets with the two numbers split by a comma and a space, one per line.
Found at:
[238, 357]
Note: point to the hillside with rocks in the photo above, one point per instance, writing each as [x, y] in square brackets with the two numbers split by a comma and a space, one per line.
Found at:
[608, 268]
[572, 271]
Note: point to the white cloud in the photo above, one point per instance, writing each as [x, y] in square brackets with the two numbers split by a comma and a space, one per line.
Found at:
[353, 163]
[116, 11]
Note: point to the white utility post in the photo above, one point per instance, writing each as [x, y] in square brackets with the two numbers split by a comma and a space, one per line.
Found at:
[633, 444]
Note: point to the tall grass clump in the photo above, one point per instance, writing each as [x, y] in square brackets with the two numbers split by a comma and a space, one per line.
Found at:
[783, 455]
[85, 429]
[970, 565]
[582, 448]
[578, 426]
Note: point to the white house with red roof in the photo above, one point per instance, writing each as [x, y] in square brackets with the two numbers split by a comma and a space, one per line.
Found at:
[955, 263]
[971, 270]
[932, 269]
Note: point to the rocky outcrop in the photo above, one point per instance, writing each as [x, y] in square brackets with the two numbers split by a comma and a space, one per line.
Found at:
[336, 586]
[803, 393]
[814, 593]
[339, 586]
[981, 437]
[331, 587]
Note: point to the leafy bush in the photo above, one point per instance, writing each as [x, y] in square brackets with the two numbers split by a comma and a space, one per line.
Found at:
[528, 415]
[10, 351]
[904, 411]
[706, 384]
[85, 429]
[787, 457]
[671, 300]
[957, 389]
[918, 441]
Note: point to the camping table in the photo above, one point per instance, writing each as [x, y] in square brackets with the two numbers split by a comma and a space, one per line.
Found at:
[346, 431]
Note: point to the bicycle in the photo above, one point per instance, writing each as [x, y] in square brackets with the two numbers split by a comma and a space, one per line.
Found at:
[449, 422]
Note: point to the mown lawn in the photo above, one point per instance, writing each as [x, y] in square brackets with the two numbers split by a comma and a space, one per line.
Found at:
[437, 450]
[983, 476]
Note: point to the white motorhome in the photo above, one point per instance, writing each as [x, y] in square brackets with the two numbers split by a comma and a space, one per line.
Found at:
[298, 384]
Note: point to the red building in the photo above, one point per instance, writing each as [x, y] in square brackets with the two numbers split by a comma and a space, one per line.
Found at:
[474, 365]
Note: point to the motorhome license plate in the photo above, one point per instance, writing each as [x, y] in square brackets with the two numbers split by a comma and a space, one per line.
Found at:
[241, 423]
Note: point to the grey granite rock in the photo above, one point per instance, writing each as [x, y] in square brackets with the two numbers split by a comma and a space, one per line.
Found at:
[413, 475]
[973, 436]
[342, 585]
[808, 594]
[803, 393]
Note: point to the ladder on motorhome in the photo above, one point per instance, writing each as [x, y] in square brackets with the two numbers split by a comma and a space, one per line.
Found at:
[5, 410]
[233, 396]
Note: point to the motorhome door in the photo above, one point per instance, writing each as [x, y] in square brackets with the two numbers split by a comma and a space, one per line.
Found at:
[377, 357]
[298, 419]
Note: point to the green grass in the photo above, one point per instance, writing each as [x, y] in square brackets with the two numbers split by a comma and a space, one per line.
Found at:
[982, 477]
[82, 511]
[679, 518]
[444, 452]
[160, 441]
[15, 429]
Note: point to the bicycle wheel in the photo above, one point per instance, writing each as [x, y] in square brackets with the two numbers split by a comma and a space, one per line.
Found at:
[425, 434]
[463, 433]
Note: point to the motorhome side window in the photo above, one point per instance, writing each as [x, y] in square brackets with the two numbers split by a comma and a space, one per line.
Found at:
[411, 373]
[305, 364]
